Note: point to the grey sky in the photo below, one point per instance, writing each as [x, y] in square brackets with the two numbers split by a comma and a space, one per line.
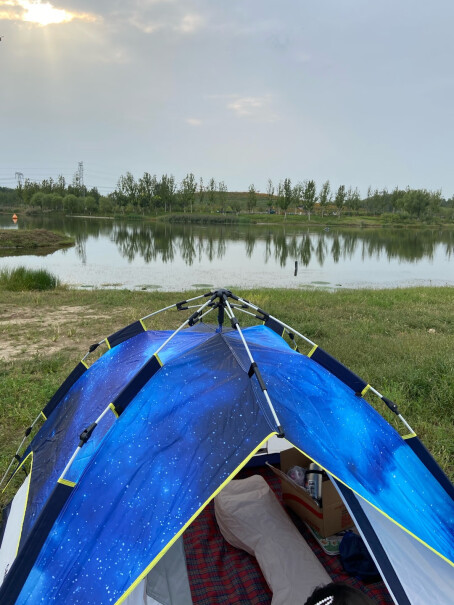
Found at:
[240, 90]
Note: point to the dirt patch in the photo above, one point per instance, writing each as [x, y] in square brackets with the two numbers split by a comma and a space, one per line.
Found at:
[26, 332]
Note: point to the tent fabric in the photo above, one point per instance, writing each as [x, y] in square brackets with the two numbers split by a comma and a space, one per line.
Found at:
[11, 536]
[87, 398]
[183, 436]
[161, 461]
[167, 583]
[422, 575]
[250, 517]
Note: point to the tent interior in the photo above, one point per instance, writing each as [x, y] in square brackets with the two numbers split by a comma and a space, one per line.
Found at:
[143, 479]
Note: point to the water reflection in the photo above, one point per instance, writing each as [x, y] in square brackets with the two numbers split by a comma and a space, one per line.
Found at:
[190, 244]
[163, 242]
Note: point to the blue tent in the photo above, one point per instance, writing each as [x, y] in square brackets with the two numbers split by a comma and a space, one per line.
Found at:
[134, 446]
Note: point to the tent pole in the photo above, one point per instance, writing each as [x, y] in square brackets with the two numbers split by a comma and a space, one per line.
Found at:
[254, 369]
[15, 457]
[289, 328]
[194, 316]
[177, 305]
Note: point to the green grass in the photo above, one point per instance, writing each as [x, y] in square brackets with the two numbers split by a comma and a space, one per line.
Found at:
[21, 279]
[400, 341]
[12, 240]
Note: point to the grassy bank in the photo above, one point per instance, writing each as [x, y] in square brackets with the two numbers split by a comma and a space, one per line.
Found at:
[13, 241]
[301, 219]
[400, 341]
[22, 279]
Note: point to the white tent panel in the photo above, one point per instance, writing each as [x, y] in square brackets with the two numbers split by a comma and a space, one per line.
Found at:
[11, 537]
[419, 569]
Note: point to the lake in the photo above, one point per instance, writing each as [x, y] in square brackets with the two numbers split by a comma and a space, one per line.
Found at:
[136, 255]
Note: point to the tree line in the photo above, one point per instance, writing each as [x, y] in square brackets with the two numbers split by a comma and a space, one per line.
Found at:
[150, 194]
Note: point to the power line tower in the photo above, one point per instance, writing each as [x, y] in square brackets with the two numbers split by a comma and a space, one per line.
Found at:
[80, 173]
[19, 176]
[79, 177]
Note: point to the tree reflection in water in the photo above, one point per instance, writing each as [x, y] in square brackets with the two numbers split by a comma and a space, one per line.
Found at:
[161, 241]
[164, 242]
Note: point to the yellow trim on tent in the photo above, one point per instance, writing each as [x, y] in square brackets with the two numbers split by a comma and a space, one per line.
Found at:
[159, 360]
[143, 325]
[44, 415]
[66, 482]
[378, 509]
[364, 391]
[106, 340]
[83, 363]
[194, 516]
[112, 407]
[26, 497]
[410, 436]
[312, 351]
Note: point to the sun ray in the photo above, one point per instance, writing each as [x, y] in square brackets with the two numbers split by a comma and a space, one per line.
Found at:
[39, 12]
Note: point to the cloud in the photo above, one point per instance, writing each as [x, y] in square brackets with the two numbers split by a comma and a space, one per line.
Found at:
[39, 13]
[194, 122]
[147, 27]
[190, 24]
[259, 108]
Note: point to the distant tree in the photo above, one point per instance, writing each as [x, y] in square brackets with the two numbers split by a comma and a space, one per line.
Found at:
[56, 201]
[309, 197]
[287, 197]
[71, 203]
[222, 189]
[47, 185]
[251, 198]
[324, 196]
[94, 193]
[127, 191]
[353, 199]
[38, 200]
[396, 199]
[105, 205]
[416, 202]
[60, 185]
[235, 204]
[270, 193]
[46, 201]
[20, 191]
[280, 195]
[168, 190]
[90, 204]
[188, 190]
[201, 192]
[339, 200]
[212, 193]
[297, 195]
[29, 189]
[145, 192]
[435, 202]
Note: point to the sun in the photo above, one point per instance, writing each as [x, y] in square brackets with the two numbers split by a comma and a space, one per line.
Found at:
[43, 13]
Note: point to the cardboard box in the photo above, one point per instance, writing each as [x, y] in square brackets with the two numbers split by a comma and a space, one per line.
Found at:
[328, 520]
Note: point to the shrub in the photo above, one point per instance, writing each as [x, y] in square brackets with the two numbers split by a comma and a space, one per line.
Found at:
[20, 279]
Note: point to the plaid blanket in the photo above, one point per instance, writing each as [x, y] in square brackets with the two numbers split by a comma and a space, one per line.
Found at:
[221, 574]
